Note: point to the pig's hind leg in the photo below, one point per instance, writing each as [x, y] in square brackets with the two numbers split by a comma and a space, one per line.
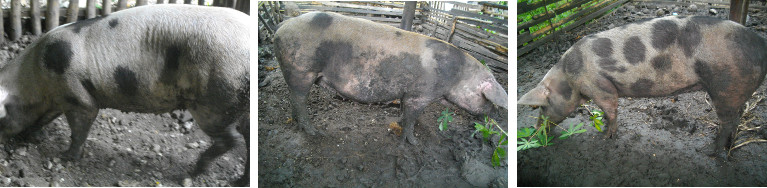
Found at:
[299, 85]
[221, 128]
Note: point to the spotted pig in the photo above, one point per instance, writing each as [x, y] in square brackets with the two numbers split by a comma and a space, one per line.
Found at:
[658, 57]
[148, 59]
[370, 62]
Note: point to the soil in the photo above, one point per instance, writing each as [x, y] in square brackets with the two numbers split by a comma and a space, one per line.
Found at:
[660, 141]
[359, 149]
[122, 149]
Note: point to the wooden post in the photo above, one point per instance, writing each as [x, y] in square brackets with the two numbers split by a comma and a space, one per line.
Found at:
[15, 20]
[407, 16]
[106, 6]
[201, 2]
[172, 1]
[52, 16]
[187, 1]
[36, 26]
[243, 6]
[141, 2]
[2, 28]
[160, 1]
[73, 10]
[90, 8]
[122, 4]
[739, 11]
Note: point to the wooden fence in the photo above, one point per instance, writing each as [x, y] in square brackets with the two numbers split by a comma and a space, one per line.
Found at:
[583, 14]
[457, 26]
[33, 16]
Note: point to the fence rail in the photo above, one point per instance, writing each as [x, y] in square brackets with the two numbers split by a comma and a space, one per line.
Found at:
[526, 40]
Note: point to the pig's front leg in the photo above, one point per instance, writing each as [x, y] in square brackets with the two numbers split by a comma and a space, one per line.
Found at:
[80, 121]
[610, 106]
[411, 109]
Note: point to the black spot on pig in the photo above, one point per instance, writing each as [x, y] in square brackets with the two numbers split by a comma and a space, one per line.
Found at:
[642, 87]
[77, 26]
[605, 84]
[662, 63]
[72, 100]
[713, 79]
[57, 56]
[689, 38]
[750, 49]
[603, 47]
[573, 61]
[397, 33]
[321, 21]
[126, 81]
[170, 70]
[564, 89]
[664, 34]
[113, 23]
[331, 51]
[612, 80]
[633, 50]
[610, 64]
[705, 20]
[89, 87]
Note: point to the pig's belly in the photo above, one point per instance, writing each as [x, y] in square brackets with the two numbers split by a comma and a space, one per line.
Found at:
[365, 90]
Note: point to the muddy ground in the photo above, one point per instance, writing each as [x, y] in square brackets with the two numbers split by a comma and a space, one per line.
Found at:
[359, 150]
[660, 141]
[123, 149]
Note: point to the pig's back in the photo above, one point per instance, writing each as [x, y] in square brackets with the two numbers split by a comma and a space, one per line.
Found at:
[667, 55]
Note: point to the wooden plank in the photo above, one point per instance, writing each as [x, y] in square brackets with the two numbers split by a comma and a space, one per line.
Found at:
[346, 5]
[502, 30]
[52, 15]
[123, 4]
[380, 19]
[575, 16]
[73, 11]
[90, 7]
[494, 5]
[106, 7]
[475, 15]
[535, 21]
[547, 15]
[35, 16]
[15, 20]
[523, 38]
[524, 7]
[535, 44]
[335, 9]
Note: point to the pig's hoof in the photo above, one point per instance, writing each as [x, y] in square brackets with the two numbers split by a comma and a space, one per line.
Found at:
[71, 155]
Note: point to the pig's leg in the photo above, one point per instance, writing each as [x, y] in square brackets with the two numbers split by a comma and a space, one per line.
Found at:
[605, 95]
[222, 131]
[299, 86]
[244, 130]
[729, 109]
[609, 105]
[80, 121]
[34, 133]
[411, 109]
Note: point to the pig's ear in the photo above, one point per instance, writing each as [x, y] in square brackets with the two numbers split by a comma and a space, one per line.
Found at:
[496, 95]
[536, 97]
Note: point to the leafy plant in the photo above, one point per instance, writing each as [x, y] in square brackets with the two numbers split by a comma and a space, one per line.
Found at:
[529, 138]
[596, 117]
[444, 119]
[487, 132]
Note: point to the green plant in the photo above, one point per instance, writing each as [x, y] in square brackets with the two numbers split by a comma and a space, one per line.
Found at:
[529, 138]
[596, 117]
[444, 119]
[487, 132]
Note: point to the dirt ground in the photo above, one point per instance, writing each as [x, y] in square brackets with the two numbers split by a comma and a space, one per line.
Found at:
[123, 149]
[359, 150]
[659, 140]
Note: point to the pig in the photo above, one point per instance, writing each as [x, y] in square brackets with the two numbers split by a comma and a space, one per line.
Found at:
[657, 57]
[147, 59]
[370, 62]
